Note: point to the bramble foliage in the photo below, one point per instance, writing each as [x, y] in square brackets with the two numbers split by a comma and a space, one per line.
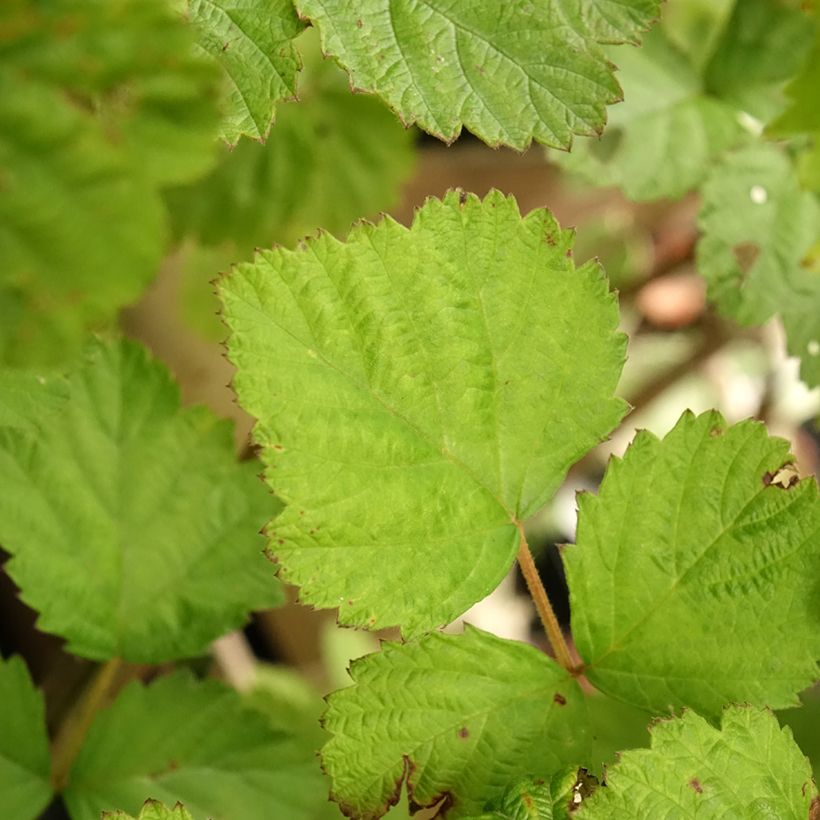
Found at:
[419, 394]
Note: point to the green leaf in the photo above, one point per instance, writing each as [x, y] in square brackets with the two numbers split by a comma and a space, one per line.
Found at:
[332, 158]
[151, 810]
[192, 741]
[803, 93]
[413, 403]
[137, 512]
[27, 395]
[694, 579]
[749, 768]
[61, 184]
[510, 73]
[758, 230]
[805, 725]
[663, 139]
[456, 717]
[763, 44]
[252, 41]
[24, 757]
[538, 799]
[130, 68]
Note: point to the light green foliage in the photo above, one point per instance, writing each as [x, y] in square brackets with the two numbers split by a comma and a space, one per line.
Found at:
[758, 230]
[509, 72]
[26, 395]
[332, 158]
[538, 799]
[100, 103]
[151, 810]
[195, 742]
[24, 756]
[694, 579]
[687, 91]
[137, 512]
[252, 41]
[412, 402]
[458, 717]
[661, 141]
[749, 768]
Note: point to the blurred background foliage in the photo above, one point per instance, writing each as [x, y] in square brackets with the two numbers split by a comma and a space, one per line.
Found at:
[119, 204]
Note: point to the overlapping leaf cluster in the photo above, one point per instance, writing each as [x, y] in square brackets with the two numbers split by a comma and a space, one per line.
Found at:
[706, 101]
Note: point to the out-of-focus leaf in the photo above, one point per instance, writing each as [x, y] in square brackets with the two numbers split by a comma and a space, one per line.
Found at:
[191, 741]
[137, 512]
[24, 756]
[759, 248]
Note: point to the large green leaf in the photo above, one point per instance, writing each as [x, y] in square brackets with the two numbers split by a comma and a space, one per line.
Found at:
[758, 231]
[418, 392]
[456, 717]
[333, 157]
[195, 742]
[749, 768]
[24, 757]
[694, 581]
[511, 72]
[252, 41]
[665, 136]
[137, 512]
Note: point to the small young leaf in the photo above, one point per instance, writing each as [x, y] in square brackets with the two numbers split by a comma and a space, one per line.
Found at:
[758, 230]
[137, 512]
[662, 140]
[536, 799]
[458, 717]
[749, 768]
[194, 742]
[510, 72]
[695, 577]
[252, 41]
[24, 756]
[151, 810]
[417, 393]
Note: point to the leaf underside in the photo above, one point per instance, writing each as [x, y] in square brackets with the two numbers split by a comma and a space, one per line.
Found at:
[456, 717]
[749, 768]
[509, 72]
[418, 391]
[694, 581]
[136, 511]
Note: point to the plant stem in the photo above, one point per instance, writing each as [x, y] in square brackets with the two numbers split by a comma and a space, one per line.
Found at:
[543, 605]
[71, 734]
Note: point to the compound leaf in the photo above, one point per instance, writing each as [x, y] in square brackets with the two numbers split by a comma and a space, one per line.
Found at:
[748, 768]
[25, 761]
[510, 72]
[458, 717]
[253, 42]
[694, 581]
[137, 512]
[662, 140]
[151, 810]
[413, 403]
[194, 742]
[759, 229]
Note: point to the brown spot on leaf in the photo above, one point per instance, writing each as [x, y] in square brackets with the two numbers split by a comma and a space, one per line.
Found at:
[349, 602]
[462, 197]
[559, 699]
[527, 800]
[463, 732]
[280, 541]
[359, 23]
[746, 254]
[784, 479]
[715, 432]
[694, 783]
[814, 809]
[278, 447]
